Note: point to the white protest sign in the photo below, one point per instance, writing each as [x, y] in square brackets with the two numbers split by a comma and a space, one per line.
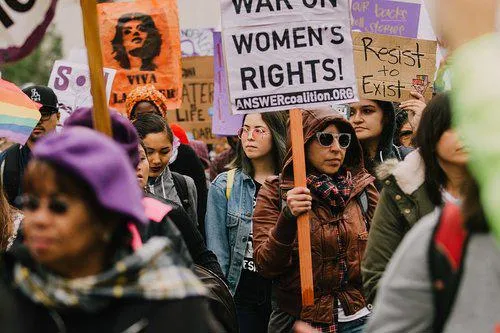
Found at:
[71, 83]
[284, 54]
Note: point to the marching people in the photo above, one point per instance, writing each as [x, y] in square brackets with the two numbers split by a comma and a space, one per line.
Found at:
[146, 99]
[15, 159]
[77, 271]
[428, 177]
[340, 198]
[231, 203]
[158, 140]
[174, 223]
[449, 260]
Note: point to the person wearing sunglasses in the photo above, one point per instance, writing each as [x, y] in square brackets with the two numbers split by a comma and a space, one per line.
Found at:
[231, 202]
[340, 199]
[77, 270]
[15, 159]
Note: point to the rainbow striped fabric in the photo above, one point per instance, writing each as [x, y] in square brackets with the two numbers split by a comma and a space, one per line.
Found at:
[19, 115]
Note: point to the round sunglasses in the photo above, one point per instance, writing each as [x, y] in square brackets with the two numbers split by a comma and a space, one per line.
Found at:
[327, 139]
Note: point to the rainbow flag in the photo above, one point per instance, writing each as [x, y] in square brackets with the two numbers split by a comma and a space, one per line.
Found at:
[19, 115]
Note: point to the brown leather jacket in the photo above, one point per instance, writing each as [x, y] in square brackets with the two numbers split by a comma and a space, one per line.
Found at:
[275, 243]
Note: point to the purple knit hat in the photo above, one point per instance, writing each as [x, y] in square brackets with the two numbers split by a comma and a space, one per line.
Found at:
[124, 132]
[101, 163]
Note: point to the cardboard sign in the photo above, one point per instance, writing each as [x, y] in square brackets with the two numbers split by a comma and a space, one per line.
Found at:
[71, 84]
[197, 98]
[223, 121]
[389, 67]
[22, 26]
[386, 17]
[287, 54]
[142, 42]
[197, 42]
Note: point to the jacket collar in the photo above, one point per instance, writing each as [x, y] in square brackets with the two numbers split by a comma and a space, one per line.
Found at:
[409, 173]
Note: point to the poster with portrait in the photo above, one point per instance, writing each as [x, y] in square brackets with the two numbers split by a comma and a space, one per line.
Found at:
[141, 40]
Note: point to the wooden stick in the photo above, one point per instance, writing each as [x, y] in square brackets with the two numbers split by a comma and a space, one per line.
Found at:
[303, 227]
[102, 120]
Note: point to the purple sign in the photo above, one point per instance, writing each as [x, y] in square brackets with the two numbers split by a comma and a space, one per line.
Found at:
[386, 17]
[223, 121]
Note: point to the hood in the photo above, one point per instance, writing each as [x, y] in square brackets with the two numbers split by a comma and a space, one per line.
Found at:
[409, 173]
[317, 120]
[385, 149]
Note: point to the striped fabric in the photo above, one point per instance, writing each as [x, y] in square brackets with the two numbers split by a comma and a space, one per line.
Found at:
[18, 113]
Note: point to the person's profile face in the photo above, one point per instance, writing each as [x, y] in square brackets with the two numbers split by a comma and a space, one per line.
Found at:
[134, 35]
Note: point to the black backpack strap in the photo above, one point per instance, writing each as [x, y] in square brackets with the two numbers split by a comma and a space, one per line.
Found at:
[181, 187]
[11, 173]
[446, 257]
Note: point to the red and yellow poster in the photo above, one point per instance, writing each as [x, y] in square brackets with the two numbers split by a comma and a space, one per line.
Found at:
[141, 40]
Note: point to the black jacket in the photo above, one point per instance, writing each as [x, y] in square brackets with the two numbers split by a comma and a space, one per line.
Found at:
[189, 164]
[21, 315]
[183, 232]
[13, 163]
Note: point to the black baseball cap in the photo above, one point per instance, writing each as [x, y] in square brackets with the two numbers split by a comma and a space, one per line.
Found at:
[44, 96]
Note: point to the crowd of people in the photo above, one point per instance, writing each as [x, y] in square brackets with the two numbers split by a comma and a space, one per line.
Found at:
[147, 231]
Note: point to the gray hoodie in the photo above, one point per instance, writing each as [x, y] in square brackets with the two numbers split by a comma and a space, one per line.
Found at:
[404, 302]
[163, 186]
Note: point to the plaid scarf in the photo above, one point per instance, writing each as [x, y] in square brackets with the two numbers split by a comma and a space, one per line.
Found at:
[334, 190]
[153, 272]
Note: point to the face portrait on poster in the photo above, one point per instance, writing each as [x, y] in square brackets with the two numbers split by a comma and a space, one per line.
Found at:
[141, 40]
[138, 37]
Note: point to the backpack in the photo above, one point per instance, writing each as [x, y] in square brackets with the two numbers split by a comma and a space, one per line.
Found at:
[181, 187]
[446, 260]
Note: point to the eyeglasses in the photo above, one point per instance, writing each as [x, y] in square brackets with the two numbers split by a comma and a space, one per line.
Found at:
[256, 133]
[32, 203]
[326, 139]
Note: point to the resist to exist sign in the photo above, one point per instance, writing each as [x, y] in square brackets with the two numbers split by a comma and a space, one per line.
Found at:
[389, 67]
[283, 54]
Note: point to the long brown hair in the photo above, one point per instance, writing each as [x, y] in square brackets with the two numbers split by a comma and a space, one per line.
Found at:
[6, 223]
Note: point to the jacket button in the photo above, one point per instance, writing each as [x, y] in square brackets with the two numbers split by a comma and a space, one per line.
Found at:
[398, 197]
[387, 182]
[407, 211]
[243, 239]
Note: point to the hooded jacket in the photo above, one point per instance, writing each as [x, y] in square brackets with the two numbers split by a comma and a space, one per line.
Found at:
[403, 202]
[275, 242]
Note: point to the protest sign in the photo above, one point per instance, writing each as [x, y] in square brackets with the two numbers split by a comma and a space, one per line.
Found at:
[141, 40]
[386, 17]
[22, 26]
[223, 121]
[71, 84]
[197, 98]
[287, 54]
[389, 67]
[197, 42]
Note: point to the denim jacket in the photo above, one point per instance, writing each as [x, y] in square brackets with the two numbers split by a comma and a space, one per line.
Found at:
[228, 223]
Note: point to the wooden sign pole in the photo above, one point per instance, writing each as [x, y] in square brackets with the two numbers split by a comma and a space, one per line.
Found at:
[102, 120]
[303, 227]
